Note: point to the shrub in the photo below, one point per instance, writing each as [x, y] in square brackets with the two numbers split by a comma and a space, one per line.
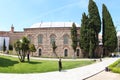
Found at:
[114, 67]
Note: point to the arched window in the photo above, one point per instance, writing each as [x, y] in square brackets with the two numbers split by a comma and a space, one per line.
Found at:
[65, 52]
[40, 39]
[52, 39]
[65, 38]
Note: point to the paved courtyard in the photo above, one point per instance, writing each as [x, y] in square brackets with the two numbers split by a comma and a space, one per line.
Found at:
[105, 76]
[80, 73]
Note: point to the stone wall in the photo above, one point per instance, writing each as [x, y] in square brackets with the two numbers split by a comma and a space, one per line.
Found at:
[46, 46]
[15, 36]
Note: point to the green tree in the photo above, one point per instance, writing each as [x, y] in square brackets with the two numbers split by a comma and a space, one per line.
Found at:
[109, 31]
[32, 48]
[22, 47]
[4, 45]
[17, 46]
[95, 25]
[74, 37]
[84, 35]
[54, 47]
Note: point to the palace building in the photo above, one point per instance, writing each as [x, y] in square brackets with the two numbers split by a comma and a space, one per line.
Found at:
[43, 34]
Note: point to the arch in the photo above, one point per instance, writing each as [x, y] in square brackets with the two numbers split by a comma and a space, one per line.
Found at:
[52, 38]
[53, 35]
[66, 47]
[39, 51]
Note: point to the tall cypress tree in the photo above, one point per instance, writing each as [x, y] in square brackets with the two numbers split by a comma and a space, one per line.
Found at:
[74, 37]
[4, 45]
[109, 31]
[84, 35]
[95, 25]
[95, 16]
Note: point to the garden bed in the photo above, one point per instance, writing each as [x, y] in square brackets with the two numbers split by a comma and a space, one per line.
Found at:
[115, 67]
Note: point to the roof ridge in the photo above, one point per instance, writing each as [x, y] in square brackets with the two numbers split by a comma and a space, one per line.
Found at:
[53, 24]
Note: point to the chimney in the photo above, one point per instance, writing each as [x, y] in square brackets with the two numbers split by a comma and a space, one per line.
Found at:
[12, 28]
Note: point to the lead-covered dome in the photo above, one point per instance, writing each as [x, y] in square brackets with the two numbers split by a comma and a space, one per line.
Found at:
[53, 24]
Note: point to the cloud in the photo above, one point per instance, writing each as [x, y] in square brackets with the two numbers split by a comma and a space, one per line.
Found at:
[82, 4]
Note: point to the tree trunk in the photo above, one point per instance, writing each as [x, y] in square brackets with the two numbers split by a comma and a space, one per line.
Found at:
[28, 57]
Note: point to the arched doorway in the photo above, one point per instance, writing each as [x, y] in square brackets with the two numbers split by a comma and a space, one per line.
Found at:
[78, 53]
[66, 52]
[39, 52]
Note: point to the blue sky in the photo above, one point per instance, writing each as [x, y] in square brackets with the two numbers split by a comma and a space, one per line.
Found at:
[24, 13]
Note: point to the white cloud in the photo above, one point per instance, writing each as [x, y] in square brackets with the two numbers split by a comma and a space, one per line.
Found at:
[82, 4]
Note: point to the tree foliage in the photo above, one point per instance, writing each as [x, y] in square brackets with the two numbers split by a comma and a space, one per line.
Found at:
[4, 45]
[94, 16]
[32, 48]
[84, 35]
[74, 37]
[22, 48]
[109, 31]
[94, 25]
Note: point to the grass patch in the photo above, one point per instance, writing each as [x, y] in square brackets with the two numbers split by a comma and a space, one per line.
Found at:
[115, 67]
[12, 65]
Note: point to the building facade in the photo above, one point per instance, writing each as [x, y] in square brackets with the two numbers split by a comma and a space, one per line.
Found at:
[43, 34]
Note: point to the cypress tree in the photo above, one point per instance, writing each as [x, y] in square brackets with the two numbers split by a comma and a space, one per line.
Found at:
[4, 45]
[84, 35]
[95, 25]
[92, 38]
[109, 31]
[74, 37]
[95, 16]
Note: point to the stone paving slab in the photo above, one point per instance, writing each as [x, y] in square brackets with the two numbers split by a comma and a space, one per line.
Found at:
[105, 76]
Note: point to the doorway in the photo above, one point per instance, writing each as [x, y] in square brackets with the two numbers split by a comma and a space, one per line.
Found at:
[78, 52]
[65, 52]
[40, 52]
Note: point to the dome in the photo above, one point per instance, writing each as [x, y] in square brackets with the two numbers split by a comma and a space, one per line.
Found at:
[53, 24]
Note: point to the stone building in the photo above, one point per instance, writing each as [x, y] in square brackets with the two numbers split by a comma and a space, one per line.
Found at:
[43, 34]
[12, 35]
